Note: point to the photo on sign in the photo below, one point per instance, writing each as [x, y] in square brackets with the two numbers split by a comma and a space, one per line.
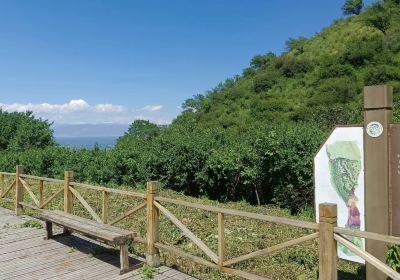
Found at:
[339, 179]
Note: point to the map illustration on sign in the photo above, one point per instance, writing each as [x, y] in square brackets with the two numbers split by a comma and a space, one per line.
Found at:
[339, 179]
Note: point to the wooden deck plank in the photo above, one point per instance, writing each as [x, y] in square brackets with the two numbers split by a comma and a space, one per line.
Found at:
[36, 262]
[29, 251]
[26, 253]
[12, 238]
[66, 268]
[98, 268]
[53, 271]
[25, 260]
[15, 231]
[23, 238]
[21, 245]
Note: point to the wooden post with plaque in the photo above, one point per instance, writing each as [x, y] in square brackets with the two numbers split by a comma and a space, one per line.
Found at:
[394, 179]
[378, 103]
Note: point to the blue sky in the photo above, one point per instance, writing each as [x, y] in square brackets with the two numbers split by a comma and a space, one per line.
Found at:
[94, 61]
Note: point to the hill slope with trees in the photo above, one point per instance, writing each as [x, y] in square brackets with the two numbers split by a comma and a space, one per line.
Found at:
[317, 80]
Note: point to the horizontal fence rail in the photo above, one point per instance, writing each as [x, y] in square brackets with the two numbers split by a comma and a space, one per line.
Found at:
[326, 231]
[239, 213]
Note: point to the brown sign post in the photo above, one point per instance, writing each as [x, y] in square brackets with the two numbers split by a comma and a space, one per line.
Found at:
[378, 103]
[394, 190]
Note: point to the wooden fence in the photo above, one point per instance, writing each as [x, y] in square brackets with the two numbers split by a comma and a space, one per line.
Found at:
[326, 231]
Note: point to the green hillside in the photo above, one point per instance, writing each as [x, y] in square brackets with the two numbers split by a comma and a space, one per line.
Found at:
[317, 80]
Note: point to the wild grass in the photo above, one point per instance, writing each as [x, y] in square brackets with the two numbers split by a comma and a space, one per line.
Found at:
[242, 235]
[32, 224]
[148, 272]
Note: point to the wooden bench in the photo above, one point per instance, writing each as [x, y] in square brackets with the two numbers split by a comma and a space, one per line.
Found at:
[102, 232]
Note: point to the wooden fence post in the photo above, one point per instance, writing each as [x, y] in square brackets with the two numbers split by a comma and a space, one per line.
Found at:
[153, 220]
[104, 211]
[378, 108]
[1, 184]
[68, 198]
[327, 244]
[221, 240]
[41, 186]
[19, 190]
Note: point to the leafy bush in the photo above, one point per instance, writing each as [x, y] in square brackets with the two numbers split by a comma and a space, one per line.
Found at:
[377, 17]
[381, 74]
[290, 66]
[359, 52]
[335, 70]
[23, 131]
[259, 61]
[296, 45]
[335, 90]
[393, 257]
[265, 81]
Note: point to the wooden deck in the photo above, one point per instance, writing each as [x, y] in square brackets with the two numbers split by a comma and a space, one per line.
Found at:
[24, 254]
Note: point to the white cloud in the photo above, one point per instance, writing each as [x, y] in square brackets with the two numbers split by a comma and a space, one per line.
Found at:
[75, 105]
[80, 111]
[72, 106]
[152, 108]
[109, 108]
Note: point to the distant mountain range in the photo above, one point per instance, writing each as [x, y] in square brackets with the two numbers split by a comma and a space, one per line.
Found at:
[90, 130]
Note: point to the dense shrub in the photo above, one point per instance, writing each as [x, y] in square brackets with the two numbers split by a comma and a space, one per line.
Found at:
[290, 66]
[265, 81]
[382, 74]
[22, 131]
[362, 51]
[377, 17]
[271, 165]
[335, 70]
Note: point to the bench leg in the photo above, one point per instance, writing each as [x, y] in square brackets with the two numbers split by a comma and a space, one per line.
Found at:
[49, 230]
[124, 258]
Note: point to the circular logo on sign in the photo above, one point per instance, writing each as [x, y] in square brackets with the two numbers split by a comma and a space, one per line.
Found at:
[374, 129]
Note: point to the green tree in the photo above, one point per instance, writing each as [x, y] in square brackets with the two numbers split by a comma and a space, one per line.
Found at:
[352, 7]
[296, 45]
[377, 17]
[143, 129]
[265, 81]
[381, 74]
[19, 131]
[260, 60]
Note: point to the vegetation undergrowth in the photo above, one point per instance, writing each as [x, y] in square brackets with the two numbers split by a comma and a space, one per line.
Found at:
[148, 271]
[32, 224]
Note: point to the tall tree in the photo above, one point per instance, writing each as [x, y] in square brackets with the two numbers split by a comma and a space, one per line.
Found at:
[352, 7]
[21, 131]
[143, 129]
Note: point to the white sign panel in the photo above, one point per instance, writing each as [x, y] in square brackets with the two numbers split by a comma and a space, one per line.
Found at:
[339, 179]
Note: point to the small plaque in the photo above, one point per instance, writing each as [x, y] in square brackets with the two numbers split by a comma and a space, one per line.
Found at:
[374, 129]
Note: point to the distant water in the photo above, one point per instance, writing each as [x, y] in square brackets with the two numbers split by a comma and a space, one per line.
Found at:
[87, 142]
